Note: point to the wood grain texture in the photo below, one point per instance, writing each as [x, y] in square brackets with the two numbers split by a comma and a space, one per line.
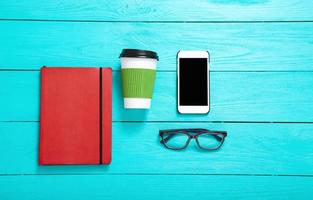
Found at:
[262, 73]
[232, 46]
[250, 148]
[174, 10]
[235, 96]
[154, 187]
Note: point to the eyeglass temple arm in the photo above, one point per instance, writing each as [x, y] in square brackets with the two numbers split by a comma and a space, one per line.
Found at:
[200, 130]
[217, 137]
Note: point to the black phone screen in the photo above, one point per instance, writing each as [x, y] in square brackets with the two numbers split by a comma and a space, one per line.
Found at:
[193, 81]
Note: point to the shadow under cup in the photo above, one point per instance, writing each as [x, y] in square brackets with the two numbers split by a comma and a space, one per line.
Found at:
[138, 77]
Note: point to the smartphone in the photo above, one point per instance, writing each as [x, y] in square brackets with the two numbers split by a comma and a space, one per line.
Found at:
[193, 83]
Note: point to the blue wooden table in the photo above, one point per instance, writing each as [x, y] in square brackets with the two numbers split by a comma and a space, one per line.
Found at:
[261, 93]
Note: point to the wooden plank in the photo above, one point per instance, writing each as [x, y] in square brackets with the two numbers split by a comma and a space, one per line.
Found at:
[154, 187]
[174, 10]
[250, 148]
[235, 96]
[19, 96]
[233, 46]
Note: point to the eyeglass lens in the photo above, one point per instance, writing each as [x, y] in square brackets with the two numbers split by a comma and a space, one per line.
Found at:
[209, 141]
[176, 140]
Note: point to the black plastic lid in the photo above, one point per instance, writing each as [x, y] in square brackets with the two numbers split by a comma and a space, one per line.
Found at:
[137, 53]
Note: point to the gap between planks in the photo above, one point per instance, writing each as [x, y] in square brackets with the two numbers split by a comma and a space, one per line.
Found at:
[171, 71]
[165, 21]
[213, 122]
[161, 174]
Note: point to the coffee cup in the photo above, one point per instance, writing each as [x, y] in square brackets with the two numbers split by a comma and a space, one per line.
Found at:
[138, 72]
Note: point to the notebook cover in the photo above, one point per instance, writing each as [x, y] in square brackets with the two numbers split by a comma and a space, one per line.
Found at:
[106, 96]
[70, 116]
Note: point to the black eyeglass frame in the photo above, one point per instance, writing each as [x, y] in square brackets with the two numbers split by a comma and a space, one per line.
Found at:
[192, 133]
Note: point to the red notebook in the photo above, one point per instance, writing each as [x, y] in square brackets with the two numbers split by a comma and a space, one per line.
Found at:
[75, 116]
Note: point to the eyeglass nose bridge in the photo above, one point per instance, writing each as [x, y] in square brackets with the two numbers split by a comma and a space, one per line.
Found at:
[192, 137]
[195, 137]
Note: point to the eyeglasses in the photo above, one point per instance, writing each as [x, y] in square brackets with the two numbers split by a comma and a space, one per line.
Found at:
[178, 139]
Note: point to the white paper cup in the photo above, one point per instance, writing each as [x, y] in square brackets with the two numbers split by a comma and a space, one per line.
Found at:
[138, 71]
